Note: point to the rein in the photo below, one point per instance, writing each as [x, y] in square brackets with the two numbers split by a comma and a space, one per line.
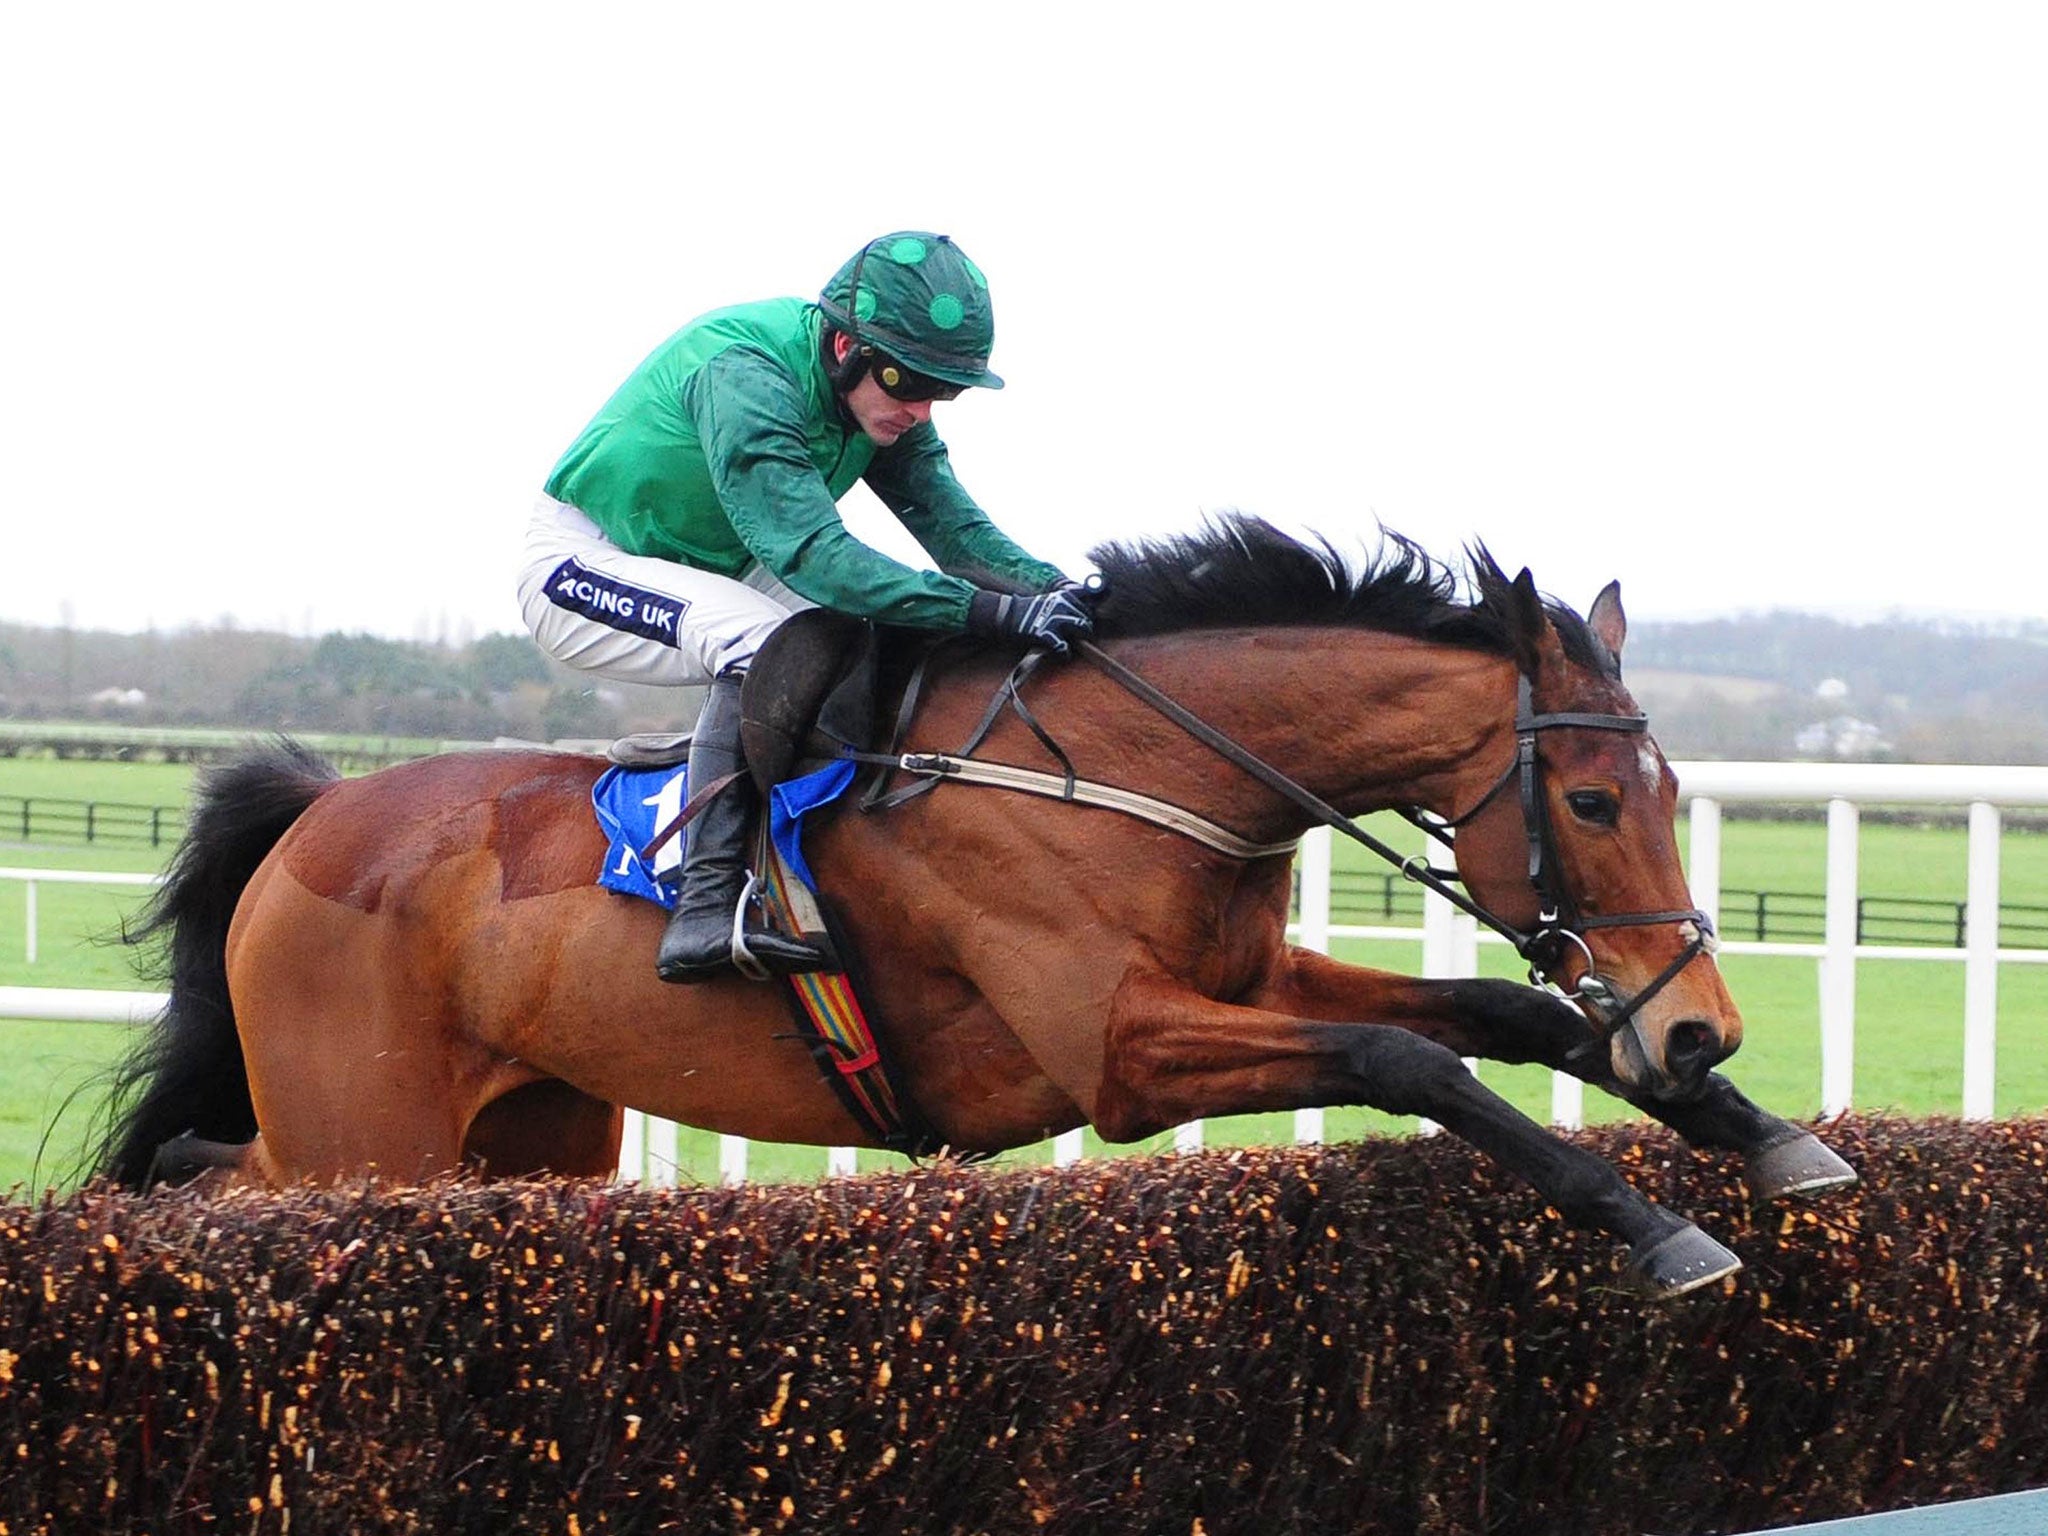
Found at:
[1558, 922]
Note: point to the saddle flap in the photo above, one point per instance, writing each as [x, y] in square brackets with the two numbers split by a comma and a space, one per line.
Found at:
[810, 688]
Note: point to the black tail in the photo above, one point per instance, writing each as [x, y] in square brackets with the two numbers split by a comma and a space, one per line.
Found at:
[186, 1076]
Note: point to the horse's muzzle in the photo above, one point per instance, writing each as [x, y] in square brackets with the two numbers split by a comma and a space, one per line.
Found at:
[1692, 1048]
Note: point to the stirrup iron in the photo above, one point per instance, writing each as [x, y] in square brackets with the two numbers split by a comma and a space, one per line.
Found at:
[743, 959]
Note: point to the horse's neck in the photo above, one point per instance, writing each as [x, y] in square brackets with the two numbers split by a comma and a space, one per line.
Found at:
[1363, 720]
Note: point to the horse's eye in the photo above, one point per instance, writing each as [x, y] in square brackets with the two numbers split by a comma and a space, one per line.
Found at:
[1594, 805]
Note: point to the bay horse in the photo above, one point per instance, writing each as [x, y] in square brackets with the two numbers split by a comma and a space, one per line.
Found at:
[413, 971]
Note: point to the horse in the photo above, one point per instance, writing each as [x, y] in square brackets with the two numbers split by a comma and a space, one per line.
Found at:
[412, 972]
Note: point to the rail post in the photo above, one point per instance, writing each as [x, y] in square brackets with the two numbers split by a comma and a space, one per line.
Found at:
[1838, 964]
[1703, 856]
[661, 1151]
[1450, 948]
[1980, 964]
[1315, 934]
[732, 1159]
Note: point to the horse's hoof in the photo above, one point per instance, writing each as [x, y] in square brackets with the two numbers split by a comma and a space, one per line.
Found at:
[1681, 1262]
[1802, 1166]
[185, 1159]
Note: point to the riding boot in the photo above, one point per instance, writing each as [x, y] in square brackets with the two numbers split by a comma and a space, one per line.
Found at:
[700, 939]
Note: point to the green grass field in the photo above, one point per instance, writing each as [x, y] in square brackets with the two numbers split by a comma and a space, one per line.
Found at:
[1909, 1014]
[124, 783]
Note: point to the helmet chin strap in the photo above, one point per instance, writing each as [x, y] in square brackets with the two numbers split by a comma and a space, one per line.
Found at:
[845, 373]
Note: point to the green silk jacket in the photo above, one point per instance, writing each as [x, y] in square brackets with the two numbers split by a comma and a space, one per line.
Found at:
[728, 446]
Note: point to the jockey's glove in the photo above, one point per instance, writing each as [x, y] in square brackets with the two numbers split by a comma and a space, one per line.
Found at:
[1087, 593]
[1047, 620]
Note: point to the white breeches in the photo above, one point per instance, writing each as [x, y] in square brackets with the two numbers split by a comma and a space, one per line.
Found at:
[635, 618]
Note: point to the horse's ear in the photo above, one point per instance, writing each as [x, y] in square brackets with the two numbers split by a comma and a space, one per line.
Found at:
[1607, 620]
[1534, 640]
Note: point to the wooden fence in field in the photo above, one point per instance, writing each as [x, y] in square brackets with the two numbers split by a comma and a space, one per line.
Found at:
[46, 819]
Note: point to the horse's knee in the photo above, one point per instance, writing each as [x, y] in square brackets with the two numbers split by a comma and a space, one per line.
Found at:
[1528, 1023]
[1403, 1073]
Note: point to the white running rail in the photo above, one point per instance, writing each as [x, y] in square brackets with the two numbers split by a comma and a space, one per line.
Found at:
[1450, 940]
[32, 878]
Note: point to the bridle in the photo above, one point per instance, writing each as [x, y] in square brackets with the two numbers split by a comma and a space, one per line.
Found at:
[1559, 926]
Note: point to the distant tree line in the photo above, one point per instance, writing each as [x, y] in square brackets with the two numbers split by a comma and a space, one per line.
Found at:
[1770, 686]
[499, 685]
[1930, 692]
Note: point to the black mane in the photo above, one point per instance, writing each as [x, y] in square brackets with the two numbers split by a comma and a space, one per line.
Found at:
[1240, 572]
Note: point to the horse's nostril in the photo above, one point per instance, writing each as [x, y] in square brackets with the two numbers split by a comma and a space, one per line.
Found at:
[1691, 1047]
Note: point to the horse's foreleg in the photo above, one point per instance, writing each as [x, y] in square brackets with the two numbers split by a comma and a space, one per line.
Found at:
[1472, 1016]
[1506, 1021]
[1177, 1056]
[1781, 1159]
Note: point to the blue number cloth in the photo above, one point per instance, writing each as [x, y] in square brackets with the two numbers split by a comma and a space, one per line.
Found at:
[634, 804]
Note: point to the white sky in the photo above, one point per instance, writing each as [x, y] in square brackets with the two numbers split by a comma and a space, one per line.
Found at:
[1744, 304]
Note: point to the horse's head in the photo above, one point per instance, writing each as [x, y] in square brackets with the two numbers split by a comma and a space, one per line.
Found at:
[1577, 846]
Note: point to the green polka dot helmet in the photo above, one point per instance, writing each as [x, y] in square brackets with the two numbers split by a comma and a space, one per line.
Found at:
[918, 298]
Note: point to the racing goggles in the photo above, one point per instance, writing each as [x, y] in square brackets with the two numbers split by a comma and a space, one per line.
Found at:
[900, 382]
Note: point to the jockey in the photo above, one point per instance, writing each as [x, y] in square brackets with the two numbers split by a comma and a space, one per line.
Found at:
[697, 511]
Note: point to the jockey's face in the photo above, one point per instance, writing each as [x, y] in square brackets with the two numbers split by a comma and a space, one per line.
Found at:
[881, 416]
